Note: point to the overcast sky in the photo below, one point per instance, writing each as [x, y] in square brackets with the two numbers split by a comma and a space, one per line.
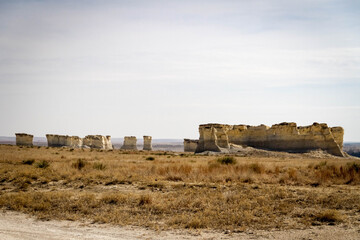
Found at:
[161, 68]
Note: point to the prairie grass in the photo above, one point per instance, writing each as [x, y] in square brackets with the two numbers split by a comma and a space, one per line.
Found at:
[123, 187]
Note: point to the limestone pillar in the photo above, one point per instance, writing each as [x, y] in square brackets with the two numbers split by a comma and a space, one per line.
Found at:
[129, 143]
[147, 143]
[23, 139]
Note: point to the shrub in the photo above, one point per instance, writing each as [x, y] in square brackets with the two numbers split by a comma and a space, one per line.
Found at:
[28, 162]
[150, 158]
[321, 165]
[354, 166]
[79, 164]
[257, 168]
[144, 200]
[174, 178]
[329, 216]
[226, 160]
[43, 164]
[99, 166]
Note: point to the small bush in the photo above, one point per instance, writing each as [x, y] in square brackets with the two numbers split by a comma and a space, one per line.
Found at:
[329, 216]
[145, 200]
[28, 162]
[174, 178]
[79, 164]
[43, 164]
[99, 166]
[226, 160]
[321, 165]
[257, 168]
[150, 158]
[354, 166]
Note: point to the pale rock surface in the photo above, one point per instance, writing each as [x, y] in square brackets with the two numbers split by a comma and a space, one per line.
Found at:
[190, 145]
[280, 137]
[55, 140]
[147, 143]
[129, 143]
[98, 141]
[23, 139]
[208, 139]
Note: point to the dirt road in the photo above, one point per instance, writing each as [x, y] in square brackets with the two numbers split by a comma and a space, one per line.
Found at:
[16, 226]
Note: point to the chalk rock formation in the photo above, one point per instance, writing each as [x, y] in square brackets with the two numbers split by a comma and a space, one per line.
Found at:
[129, 143]
[63, 141]
[108, 144]
[190, 145]
[280, 137]
[147, 143]
[208, 138]
[98, 141]
[23, 139]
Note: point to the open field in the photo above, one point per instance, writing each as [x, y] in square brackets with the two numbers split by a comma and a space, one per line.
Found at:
[165, 190]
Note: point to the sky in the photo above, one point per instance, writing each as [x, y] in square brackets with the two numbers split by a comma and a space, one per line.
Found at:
[161, 68]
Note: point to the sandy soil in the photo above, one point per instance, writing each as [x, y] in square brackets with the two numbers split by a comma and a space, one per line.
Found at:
[16, 226]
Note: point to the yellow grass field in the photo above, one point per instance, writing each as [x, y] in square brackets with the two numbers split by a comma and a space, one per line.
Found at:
[164, 190]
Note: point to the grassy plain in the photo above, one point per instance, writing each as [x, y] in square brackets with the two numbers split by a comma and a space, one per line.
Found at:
[163, 190]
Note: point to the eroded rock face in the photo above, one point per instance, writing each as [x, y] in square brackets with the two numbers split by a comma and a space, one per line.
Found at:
[129, 143]
[98, 141]
[190, 145]
[55, 140]
[147, 143]
[23, 139]
[208, 138]
[280, 137]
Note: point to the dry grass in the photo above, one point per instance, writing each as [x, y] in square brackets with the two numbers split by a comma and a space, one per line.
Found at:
[179, 191]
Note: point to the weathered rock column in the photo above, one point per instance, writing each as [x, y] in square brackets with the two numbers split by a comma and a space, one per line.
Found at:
[129, 143]
[147, 143]
[207, 140]
[23, 139]
[54, 140]
[97, 141]
[108, 144]
[190, 145]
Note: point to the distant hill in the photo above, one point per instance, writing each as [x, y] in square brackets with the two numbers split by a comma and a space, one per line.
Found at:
[352, 148]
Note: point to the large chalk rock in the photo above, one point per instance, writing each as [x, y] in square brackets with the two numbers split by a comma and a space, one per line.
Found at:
[190, 145]
[281, 137]
[129, 143]
[23, 139]
[55, 140]
[98, 141]
[208, 139]
[147, 143]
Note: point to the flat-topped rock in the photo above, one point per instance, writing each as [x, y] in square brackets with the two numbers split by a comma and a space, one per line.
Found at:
[147, 143]
[280, 137]
[55, 140]
[24, 139]
[129, 143]
[98, 141]
[190, 145]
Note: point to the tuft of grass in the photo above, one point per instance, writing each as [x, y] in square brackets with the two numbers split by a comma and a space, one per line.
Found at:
[145, 200]
[354, 167]
[99, 166]
[43, 164]
[321, 165]
[226, 160]
[150, 158]
[329, 216]
[79, 164]
[28, 161]
[257, 168]
[174, 178]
